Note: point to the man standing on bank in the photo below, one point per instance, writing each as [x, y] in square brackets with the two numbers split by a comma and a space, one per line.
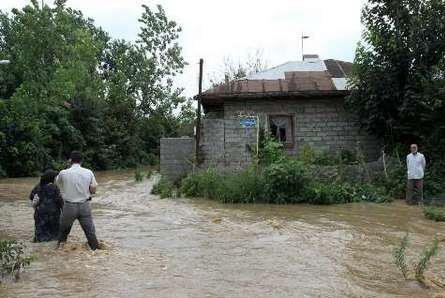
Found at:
[415, 162]
[76, 185]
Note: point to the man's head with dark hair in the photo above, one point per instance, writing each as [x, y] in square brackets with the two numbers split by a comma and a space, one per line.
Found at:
[76, 157]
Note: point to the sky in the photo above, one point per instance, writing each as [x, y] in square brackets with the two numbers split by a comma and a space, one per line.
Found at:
[218, 29]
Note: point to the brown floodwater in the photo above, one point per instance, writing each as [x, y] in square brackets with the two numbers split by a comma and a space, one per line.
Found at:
[200, 248]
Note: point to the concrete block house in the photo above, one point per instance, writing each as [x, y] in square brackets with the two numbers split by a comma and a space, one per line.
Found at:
[298, 102]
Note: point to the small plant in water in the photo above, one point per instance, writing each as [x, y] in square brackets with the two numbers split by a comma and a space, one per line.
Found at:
[138, 175]
[422, 264]
[400, 256]
[429, 252]
[13, 259]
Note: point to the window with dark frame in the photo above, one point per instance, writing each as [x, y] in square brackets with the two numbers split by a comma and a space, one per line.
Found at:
[280, 127]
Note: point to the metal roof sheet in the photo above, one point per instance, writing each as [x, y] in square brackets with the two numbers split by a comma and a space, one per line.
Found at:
[278, 72]
[312, 74]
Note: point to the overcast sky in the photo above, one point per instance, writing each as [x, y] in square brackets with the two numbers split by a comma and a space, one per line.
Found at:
[214, 29]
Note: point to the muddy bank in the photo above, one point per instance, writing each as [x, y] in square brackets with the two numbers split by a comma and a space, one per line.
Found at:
[183, 248]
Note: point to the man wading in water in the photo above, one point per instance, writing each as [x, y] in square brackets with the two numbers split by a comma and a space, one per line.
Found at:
[415, 163]
[76, 185]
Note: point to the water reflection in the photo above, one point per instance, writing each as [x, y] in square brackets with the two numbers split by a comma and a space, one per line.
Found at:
[182, 248]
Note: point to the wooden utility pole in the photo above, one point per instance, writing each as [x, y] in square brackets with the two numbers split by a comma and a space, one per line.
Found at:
[198, 111]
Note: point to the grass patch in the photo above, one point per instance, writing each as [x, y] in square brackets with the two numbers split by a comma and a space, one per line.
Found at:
[434, 213]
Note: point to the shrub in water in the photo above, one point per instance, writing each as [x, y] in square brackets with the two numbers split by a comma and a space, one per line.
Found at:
[434, 213]
[370, 193]
[244, 187]
[285, 182]
[281, 182]
[271, 150]
[330, 193]
[201, 184]
[164, 188]
[12, 259]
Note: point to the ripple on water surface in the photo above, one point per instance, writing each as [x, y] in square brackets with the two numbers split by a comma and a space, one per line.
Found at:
[183, 248]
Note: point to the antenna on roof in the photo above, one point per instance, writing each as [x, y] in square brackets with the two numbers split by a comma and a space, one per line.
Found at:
[303, 37]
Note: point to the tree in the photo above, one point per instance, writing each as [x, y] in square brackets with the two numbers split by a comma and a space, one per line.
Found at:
[234, 71]
[71, 87]
[54, 53]
[398, 78]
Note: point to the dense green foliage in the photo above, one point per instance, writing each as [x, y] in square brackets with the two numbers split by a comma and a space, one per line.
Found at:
[278, 179]
[289, 184]
[398, 80]
[12, 258]
[69, 86]
[434, 213]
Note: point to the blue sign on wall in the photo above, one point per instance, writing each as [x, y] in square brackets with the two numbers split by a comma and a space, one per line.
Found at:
[248, 122]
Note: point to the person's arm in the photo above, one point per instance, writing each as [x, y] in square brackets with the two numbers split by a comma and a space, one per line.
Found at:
[407, 164]
[423, 162]
[34, 197]
[33, 192]
[93, 184]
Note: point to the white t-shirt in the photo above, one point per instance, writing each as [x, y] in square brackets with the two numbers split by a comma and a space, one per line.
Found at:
[416, 165]
[75, 182]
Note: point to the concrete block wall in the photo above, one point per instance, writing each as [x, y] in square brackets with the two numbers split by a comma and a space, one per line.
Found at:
[321, 123]
[224, 143]
[176, 157]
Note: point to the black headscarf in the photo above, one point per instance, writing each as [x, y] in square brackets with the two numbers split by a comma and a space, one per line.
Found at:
[48, 177]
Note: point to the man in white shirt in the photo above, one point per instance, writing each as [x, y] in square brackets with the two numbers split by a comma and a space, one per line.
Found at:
[76, 185]
[415, 163]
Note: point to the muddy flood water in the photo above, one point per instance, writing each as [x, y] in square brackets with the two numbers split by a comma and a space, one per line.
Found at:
[199, 248]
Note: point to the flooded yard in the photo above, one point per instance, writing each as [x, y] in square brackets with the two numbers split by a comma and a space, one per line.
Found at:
[199, 248]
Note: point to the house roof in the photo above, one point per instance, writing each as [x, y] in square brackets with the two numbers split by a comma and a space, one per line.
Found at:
[308, 78]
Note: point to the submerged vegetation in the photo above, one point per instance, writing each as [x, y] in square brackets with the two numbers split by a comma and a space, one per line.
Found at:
[425, 259]
[418, 270]
[164, 188]
[434, 213]
[400, 256]
[279, 179]
[12, 259]
[138, 174]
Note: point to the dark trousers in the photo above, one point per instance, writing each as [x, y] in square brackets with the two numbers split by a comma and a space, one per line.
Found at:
[414, 191]
[81, 212]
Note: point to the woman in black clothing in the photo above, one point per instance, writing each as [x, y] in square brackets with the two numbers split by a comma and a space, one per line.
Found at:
[47, 203]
